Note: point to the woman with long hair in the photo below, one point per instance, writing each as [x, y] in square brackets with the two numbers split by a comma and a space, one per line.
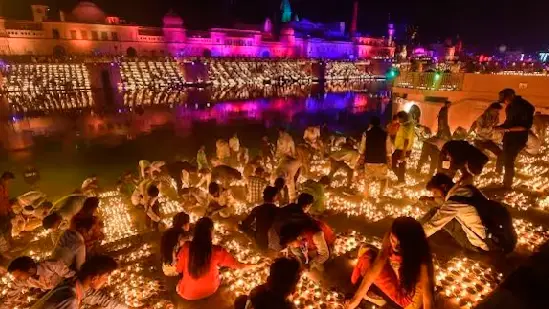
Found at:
[199, 261]
[402, 269]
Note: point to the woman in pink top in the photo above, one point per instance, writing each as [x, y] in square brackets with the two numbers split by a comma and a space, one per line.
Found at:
[199, 261]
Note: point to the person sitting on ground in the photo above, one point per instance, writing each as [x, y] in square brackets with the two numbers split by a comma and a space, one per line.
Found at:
[284, 275]
[85, 289]
[376, 147]
[172, 239]
[484, 128]
[29, 274]
[317, 189]
[71, 246]
[263, 216]
[199, 261]
[460, 155]
[282, 197]
[309, 240]
[402, 269]
[221, 201]
[459, 218]
[256, 185]
[88, 211]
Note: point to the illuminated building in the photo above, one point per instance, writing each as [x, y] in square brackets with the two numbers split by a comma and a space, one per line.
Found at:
[87, 30]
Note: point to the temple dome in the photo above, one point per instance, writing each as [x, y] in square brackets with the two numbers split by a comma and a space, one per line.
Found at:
[172, 20]
[88, 12]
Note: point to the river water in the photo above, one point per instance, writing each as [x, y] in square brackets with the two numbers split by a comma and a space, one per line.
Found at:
[67, 146]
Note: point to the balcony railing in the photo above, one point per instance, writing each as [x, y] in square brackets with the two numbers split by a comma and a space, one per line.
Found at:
[430, 81]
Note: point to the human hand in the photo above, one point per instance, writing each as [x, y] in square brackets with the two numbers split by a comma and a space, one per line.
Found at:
[351, 304]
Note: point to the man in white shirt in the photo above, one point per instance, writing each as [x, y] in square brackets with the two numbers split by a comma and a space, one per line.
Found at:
[71, 246]
[85, 290]
[459, 219]
[43, 275]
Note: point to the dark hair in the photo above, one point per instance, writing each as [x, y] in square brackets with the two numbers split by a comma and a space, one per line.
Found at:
[8, 175]
[214, 188]
[180, 219]
[259, 170]
[305, 199]
[402, 115]
[415, 252]
[292, 231]
[90, 206]
[279, 183]
[440, 181]
[325, 180]
[507, 93]
[96, 266]
[49, 221]
[375, 121]
[200, 249]
[153, 191]
[284, 274]
[170, 238]
[83, 224]
[269, 194]
[495, 105]
[22, 263]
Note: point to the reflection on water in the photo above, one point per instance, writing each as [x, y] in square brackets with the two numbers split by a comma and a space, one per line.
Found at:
[109, 139]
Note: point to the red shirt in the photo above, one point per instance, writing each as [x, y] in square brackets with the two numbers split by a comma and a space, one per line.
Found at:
[4, 200]
[190, 288]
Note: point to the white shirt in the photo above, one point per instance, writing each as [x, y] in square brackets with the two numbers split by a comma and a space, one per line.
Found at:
[48, 275]
[70, 249]
[465, 214]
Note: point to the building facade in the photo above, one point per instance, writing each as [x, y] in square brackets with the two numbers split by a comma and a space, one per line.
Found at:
[88, 31]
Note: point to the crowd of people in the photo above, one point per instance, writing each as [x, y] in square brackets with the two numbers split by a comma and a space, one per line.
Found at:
[258, 72]
[284, 211]
[45, 87]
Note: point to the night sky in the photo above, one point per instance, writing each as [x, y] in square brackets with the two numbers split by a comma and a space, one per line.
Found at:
[483, 24]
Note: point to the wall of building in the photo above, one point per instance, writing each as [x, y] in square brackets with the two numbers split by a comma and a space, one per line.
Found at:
[478, 91]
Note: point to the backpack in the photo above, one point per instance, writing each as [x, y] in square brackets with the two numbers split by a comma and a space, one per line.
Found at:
[500, 232]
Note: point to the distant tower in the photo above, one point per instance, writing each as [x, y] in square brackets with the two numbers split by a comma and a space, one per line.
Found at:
[268, 26]
[286, 10]
[391, 34]
[355, 18]
[39, 12]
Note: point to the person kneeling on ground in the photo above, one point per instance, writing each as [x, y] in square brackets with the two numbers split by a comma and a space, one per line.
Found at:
[263, 216]
[402, 269]
[293, 212]
[85, 290]
[199, 261]
[284, 275]
[460, 155]
[460, 218]
[29, 274]
[172, 240]
[309, 241]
